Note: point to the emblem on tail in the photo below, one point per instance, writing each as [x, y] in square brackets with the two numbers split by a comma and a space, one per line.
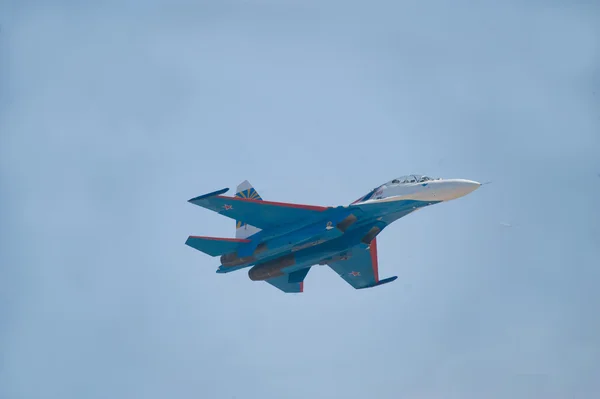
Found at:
[245, 190]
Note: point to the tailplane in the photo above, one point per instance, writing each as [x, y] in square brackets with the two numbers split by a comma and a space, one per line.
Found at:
[243, 229]
[215, 246]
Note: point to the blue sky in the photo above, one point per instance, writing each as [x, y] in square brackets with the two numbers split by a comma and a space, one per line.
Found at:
[113, 115]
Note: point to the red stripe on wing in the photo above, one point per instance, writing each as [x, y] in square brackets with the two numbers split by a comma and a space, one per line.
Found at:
[373, 250]
[221, 239]
[283, 204]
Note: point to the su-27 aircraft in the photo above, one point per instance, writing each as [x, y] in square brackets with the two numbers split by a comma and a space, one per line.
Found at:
[282, 241]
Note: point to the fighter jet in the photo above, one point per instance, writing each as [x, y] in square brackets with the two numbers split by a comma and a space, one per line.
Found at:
[281, 241]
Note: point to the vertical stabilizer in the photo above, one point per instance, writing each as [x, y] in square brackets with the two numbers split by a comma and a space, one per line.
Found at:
[242, 229]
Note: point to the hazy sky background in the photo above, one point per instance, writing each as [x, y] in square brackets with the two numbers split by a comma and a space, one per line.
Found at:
[113, 115]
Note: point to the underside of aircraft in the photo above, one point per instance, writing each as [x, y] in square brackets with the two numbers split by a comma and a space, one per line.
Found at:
[280, 242]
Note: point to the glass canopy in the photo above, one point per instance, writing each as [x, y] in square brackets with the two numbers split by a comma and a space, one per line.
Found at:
[410, 179]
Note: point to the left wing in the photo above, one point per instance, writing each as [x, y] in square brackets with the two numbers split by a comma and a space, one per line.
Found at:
[359, 267]
[262, 214]
[290, 283]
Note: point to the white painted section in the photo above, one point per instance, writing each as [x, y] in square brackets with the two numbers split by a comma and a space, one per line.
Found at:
[433, 190]
[245, 185]
[245, 230]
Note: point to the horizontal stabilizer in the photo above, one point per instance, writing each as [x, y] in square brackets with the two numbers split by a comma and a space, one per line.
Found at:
[215, 246]
[298, 276]
[290, 283]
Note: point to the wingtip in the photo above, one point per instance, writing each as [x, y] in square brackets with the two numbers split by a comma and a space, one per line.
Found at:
[380, 282]
[200, 197]
[386, 280]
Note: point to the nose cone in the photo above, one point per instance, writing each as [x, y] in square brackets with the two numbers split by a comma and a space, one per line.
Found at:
[464, 187]
[457, 188]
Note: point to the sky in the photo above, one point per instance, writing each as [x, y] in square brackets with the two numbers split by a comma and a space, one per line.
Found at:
[114, 114]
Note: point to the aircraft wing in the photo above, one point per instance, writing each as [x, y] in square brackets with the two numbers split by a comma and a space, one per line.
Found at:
[290, 283]
[359, 266]
[262, 214]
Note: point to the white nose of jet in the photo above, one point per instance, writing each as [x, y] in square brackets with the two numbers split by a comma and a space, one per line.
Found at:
[447, 190]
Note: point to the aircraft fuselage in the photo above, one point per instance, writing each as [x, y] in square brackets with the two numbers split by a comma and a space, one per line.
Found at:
[275, 252]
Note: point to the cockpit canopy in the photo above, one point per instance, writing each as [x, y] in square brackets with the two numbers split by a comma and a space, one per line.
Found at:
[410, 179]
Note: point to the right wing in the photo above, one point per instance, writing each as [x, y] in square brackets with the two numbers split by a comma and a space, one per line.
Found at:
[262, 214]
[359, 267]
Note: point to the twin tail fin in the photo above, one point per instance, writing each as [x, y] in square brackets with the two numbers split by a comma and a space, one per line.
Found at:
[243, 229]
